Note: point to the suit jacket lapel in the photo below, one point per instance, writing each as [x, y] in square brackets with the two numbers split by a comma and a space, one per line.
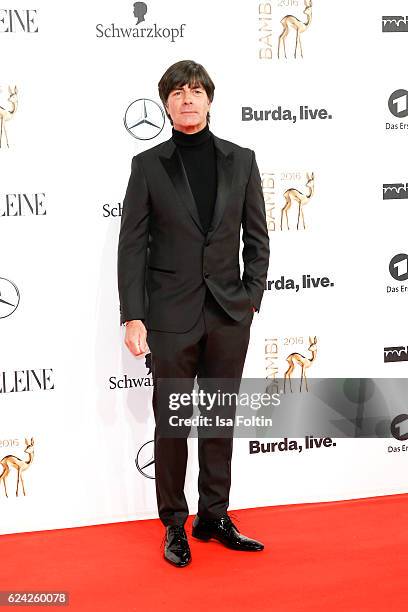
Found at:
[225, 167]
[171, 160]
[175, 169]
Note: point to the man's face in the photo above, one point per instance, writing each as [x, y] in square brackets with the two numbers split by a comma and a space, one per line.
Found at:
[188, 108]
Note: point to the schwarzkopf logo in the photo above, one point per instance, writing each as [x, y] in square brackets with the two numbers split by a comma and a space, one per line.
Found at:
[144, 119]
[395, 23]
[395, 191]
[18, 20]
[9, 297]
[134, 383]
[112, 210]
[153, 31]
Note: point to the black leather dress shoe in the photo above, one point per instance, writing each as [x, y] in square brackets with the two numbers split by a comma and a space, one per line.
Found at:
[176, 548]
[224, 531]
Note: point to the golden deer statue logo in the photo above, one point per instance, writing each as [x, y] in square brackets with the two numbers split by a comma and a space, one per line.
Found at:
[294, 195]
[290, 21]
[302, 361]
[6, 115]
[20, 465]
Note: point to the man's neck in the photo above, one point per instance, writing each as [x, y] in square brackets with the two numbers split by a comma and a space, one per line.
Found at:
[182, 139]
[190, 129]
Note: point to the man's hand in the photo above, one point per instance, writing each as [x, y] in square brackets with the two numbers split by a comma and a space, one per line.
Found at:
[135, 337]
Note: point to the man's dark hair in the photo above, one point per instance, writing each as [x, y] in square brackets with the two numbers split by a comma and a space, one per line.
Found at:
[185, 72]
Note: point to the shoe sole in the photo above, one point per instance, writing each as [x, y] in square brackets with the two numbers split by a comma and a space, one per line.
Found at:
[176, 564]
[207, 538]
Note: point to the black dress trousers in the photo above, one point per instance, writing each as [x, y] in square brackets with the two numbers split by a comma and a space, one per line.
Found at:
[215, 347]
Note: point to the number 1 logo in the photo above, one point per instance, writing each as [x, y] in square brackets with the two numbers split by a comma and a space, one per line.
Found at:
[399, 267]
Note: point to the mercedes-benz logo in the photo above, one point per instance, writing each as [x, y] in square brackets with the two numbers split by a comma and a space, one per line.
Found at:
[145, 460]
[144, 119]
[9, 297]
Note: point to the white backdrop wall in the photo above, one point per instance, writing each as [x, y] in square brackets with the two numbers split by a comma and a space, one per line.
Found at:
[62, 356]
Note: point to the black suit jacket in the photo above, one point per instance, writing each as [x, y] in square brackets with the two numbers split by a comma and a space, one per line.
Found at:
[165, 260]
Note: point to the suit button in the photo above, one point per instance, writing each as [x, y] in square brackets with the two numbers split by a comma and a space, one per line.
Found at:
[206, 275]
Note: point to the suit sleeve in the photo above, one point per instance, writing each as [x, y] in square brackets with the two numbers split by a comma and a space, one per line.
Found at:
[255, 253]
[133, 244]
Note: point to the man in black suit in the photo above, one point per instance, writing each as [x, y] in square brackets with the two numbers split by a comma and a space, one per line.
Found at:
[181, 292]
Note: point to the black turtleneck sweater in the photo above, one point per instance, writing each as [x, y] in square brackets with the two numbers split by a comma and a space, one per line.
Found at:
[199, 159]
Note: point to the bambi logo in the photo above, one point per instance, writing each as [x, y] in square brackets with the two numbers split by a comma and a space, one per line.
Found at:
[294, 195]
[7, 113]
[21, 465]
[290, 21]
[304, 363]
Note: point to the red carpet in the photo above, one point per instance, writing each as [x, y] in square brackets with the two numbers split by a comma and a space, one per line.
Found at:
[350, 556]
